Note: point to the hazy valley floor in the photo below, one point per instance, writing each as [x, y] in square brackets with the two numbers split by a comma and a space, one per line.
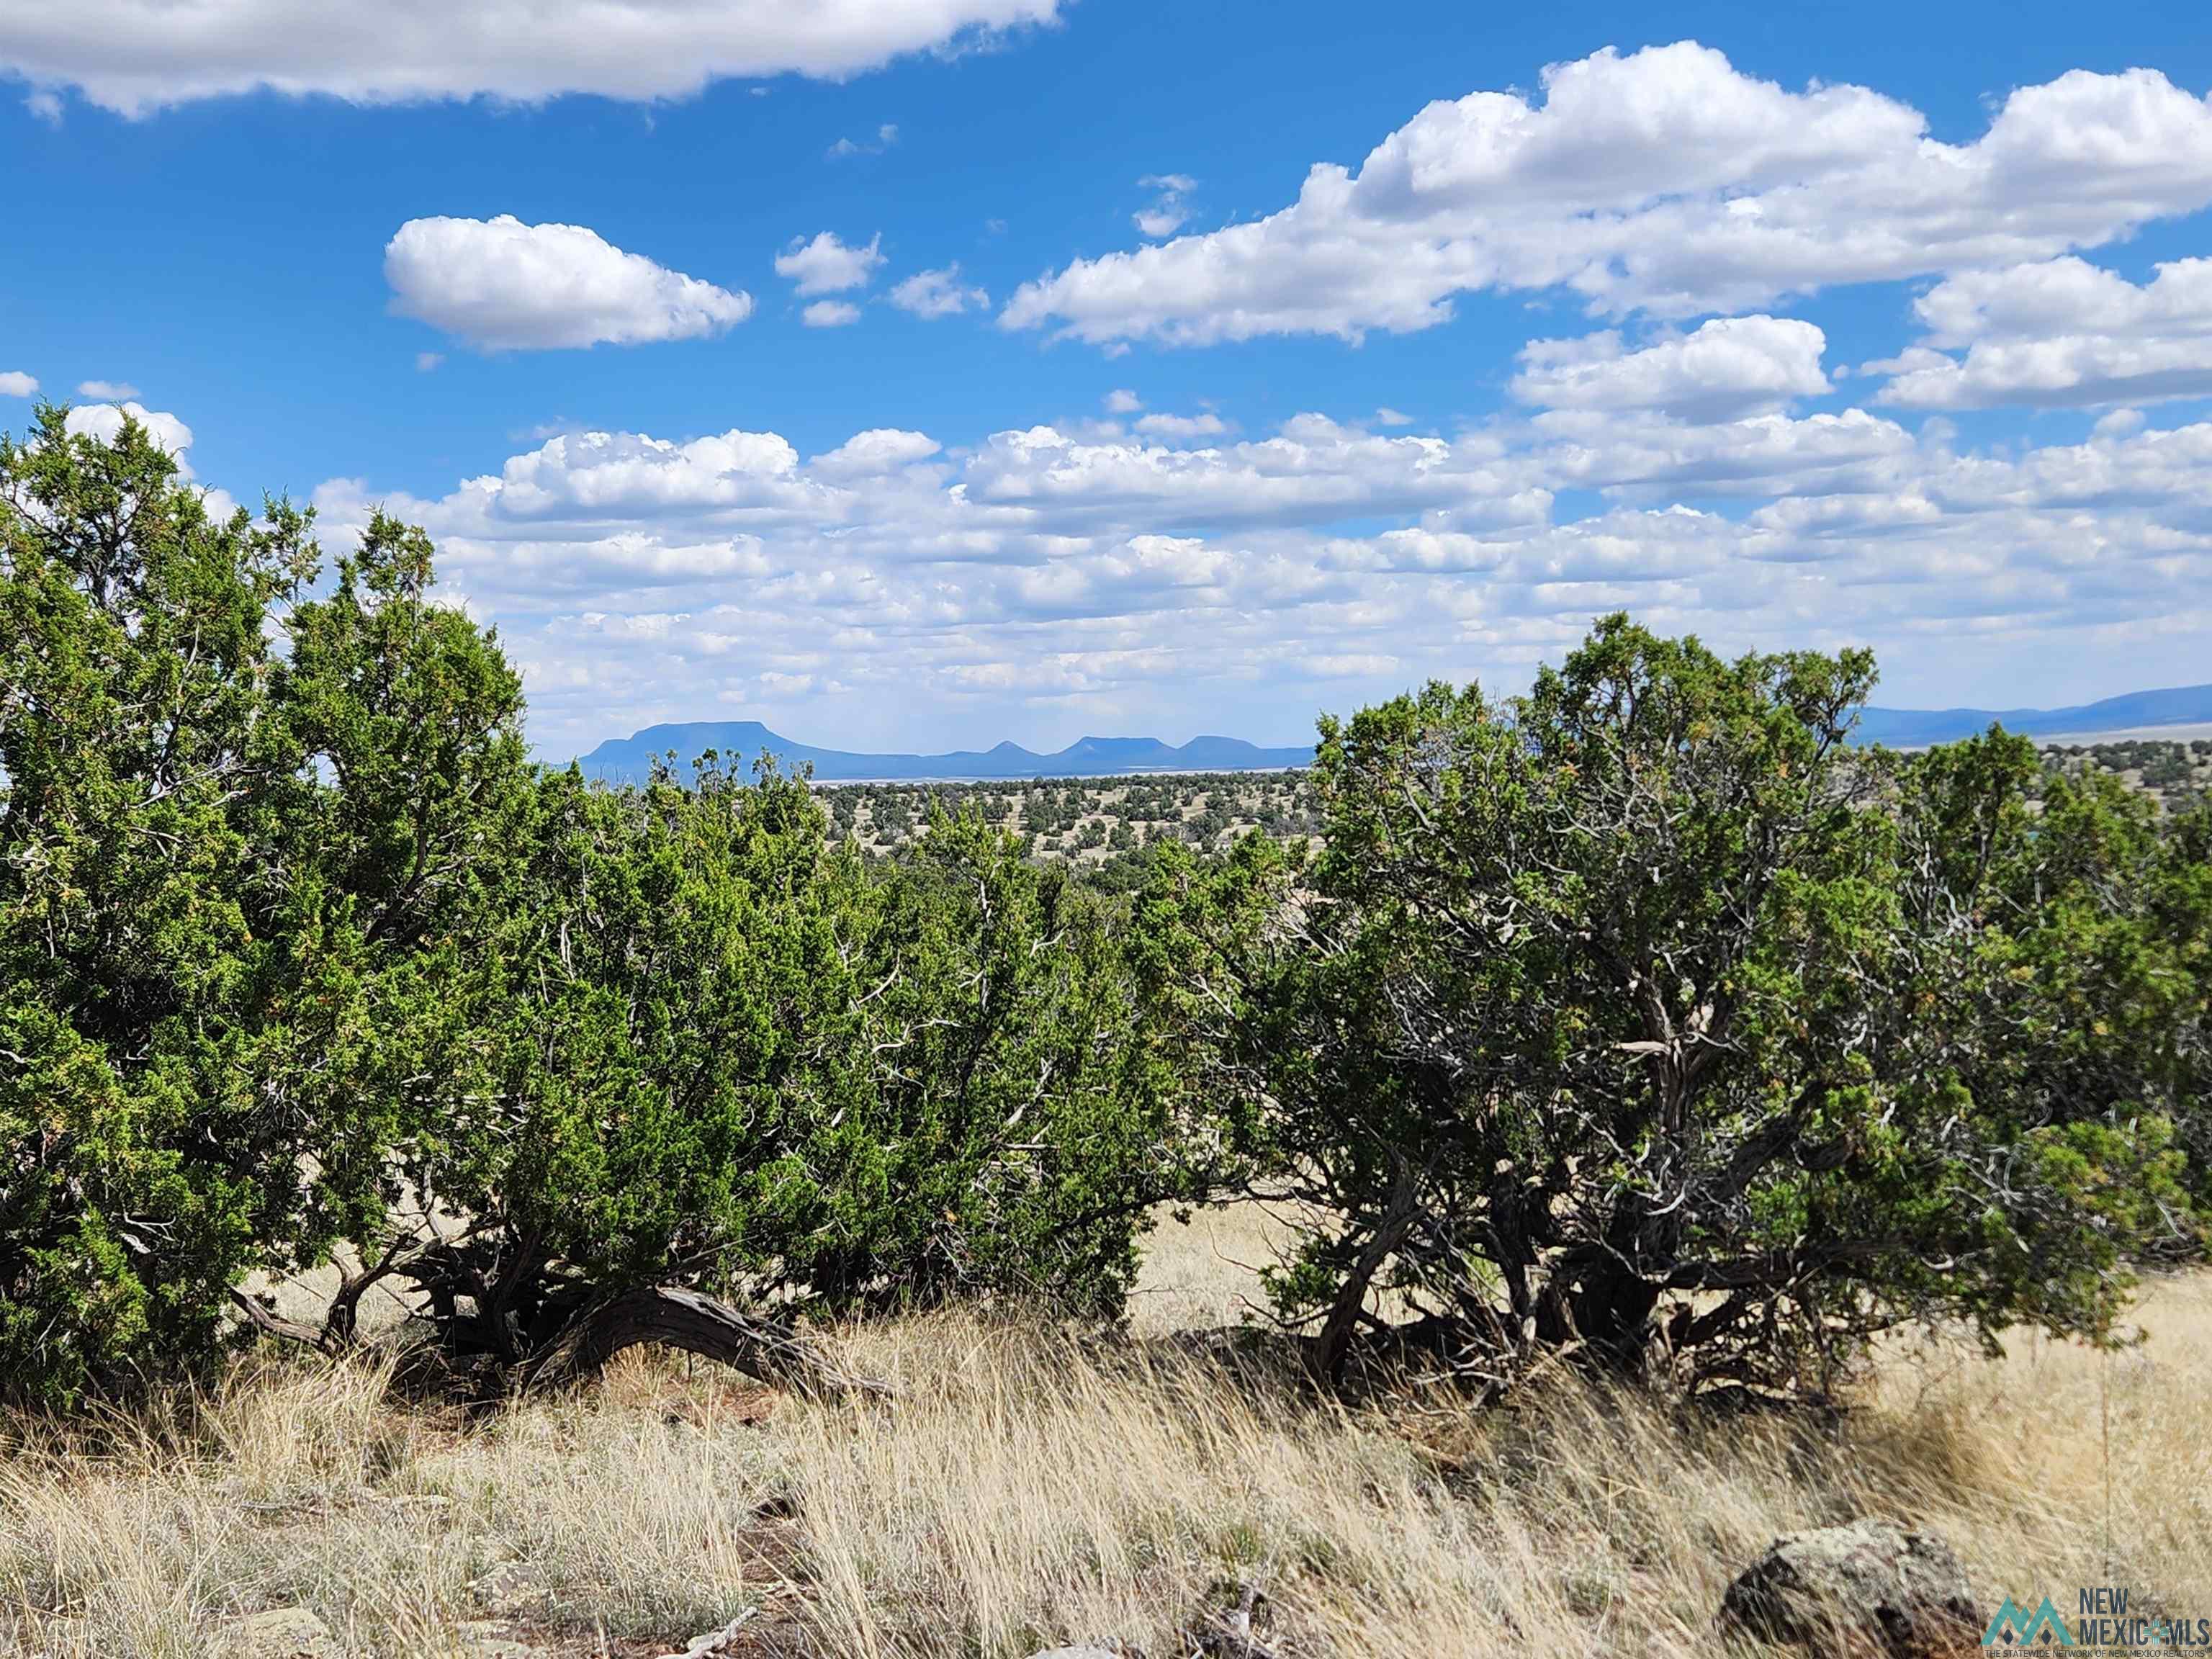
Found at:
[1025, 1490]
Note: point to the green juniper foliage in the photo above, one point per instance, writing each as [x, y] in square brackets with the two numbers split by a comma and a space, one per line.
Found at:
[218, 869]
[699, 1047]
[1639, 1019]
[300, 958]
[2092, 991]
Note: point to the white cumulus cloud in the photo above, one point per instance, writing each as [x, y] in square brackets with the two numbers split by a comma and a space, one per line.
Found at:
[830, 314]
[1665, 181]
[500, 284]
[1205, 425]
[137, 56]
[937, 293]
[103, 421]
[828, 265]
[1170, 209]
[16, 384]
[874, 453]
[1111, 575]
[1726, 368]
[2062, 332]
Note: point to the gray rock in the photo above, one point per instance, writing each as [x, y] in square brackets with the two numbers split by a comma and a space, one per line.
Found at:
[282, 1633]
[487, 1638]
[1869, 1587]
[505, 1586]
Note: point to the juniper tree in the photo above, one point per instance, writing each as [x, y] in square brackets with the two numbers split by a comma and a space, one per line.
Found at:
[699, 1052]
[300, 960]
[217, 869]
[1642, 1017]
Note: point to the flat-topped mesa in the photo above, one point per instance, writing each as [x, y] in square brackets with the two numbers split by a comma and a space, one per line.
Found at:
[631, 760]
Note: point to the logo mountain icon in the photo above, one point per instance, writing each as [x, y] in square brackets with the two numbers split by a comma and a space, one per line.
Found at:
[2014, 1626]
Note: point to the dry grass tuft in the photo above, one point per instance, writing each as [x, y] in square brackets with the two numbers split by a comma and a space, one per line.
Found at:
[1027, 1488]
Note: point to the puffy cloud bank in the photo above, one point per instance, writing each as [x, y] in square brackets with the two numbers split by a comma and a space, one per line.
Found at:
[1096, 568]
[1665, 181]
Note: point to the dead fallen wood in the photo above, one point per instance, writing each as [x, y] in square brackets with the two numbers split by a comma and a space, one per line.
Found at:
[265, 1318]
[665, 1317]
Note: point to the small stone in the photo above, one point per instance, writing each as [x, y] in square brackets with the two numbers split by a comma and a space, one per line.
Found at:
[282, 1633]
[505, 1587]
[487, 1638]
[1868, 1588]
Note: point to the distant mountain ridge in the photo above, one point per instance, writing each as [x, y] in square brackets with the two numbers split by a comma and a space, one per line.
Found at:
[630, 760]
[1909, 728]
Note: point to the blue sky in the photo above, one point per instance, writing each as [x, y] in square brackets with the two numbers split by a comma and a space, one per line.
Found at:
[1861, 325]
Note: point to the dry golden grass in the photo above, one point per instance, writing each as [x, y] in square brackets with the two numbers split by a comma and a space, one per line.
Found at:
[1029, 1488]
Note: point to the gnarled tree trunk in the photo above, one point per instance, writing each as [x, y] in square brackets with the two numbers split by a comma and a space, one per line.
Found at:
[675, 1318]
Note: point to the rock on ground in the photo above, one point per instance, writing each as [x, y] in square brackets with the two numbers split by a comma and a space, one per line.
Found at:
[1870, 1587]
[282, 1633]
[297, 1633]
[487, 1638]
